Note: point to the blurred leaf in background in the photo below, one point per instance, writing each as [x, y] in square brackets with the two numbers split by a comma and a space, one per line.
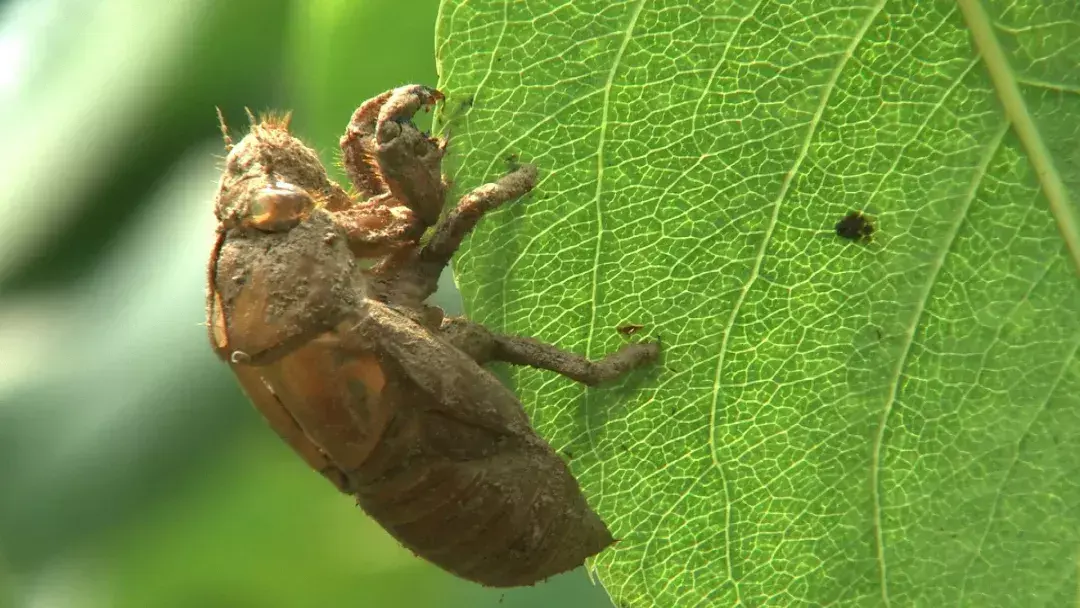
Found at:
[134, 472]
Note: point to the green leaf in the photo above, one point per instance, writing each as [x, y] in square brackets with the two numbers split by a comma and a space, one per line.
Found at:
[893, 422]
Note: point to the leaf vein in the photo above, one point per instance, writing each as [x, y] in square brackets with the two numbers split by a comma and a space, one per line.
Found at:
[755, 271]
[490, 67]
[1027, 428]
[723, 59]
[1056, 87]
[1008, 90]
[917, 136]
[905, 355]
[605, 108]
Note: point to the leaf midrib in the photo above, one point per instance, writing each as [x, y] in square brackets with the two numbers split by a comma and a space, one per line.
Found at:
[1007, 86]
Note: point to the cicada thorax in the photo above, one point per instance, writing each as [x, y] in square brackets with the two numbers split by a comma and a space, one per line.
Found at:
[275, 304]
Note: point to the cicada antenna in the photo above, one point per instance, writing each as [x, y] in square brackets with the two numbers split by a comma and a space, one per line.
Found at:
[224, 129]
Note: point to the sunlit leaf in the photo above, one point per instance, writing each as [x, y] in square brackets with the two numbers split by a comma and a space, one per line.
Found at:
[894, 422]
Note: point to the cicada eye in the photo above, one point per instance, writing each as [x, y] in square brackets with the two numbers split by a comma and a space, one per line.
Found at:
[279, 207]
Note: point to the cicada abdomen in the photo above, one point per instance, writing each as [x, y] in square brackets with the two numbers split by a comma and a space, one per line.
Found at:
[487, 500]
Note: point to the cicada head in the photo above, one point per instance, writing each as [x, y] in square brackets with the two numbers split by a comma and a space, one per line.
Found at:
[281, 271]
[271, 180]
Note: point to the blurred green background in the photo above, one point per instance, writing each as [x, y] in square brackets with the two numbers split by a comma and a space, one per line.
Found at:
[133, 472]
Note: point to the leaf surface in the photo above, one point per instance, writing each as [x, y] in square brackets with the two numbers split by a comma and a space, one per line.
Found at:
[894, 422]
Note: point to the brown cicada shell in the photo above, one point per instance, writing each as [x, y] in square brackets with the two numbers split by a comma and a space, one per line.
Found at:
[316, 301]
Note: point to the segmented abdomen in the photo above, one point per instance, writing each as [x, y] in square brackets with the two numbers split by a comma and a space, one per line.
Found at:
[499, 509]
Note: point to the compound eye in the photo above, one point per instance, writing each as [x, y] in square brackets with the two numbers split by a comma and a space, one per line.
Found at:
[279, 207]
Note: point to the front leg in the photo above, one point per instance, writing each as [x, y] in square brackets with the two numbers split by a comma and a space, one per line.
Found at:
[483, 345]
[411, 161]
[358, 148]
[396, 171]
[385, 154]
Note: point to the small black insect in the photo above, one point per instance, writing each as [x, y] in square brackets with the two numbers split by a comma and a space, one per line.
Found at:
[855, 227]
[629, 329]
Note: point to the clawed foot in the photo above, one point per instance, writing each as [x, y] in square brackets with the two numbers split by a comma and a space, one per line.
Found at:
[397, 172]
[385, 154]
